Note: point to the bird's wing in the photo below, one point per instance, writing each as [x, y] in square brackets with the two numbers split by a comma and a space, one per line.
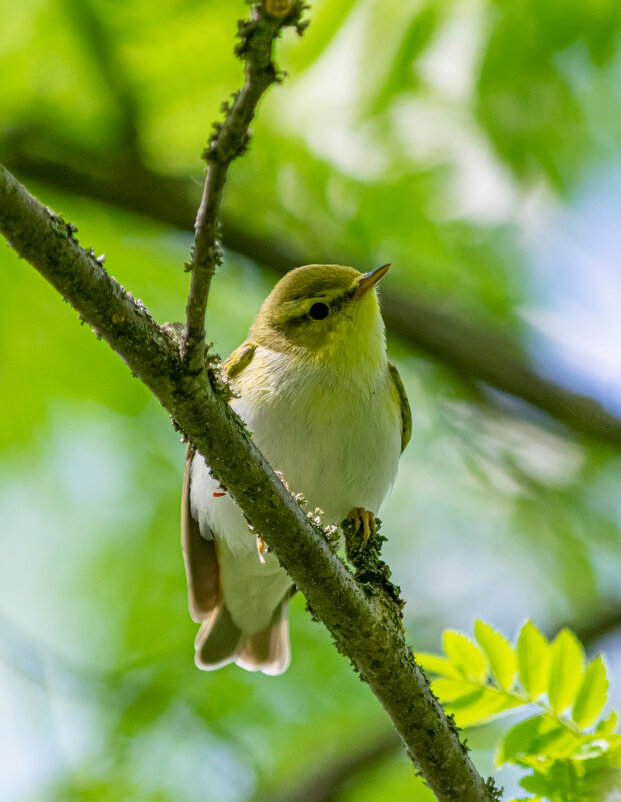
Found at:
[241, 357]
[406, 412]
[199, 555]
[199, 550]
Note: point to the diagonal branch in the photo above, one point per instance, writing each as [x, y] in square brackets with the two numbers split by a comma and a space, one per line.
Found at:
[364, 618]
[230, 140]
[468, 349]
[363, 625]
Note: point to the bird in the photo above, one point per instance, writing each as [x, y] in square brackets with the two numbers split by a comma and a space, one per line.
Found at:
[313, 384]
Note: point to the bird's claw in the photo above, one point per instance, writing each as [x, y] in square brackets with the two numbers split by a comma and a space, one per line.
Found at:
[282, 479]
[364, 519]
[260, 548]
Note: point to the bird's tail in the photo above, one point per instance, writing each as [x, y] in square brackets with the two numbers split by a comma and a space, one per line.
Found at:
[220, 641]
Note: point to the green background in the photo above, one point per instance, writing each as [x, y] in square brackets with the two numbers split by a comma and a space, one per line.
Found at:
[473, 144]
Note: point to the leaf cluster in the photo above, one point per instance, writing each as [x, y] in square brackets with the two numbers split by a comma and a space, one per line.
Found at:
[571, 750]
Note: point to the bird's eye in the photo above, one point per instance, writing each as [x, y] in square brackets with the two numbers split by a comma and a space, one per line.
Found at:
[319, 311]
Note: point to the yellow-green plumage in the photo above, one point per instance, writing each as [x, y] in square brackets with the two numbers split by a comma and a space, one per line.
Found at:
[328, 410]
[406, 412]
[242, 356]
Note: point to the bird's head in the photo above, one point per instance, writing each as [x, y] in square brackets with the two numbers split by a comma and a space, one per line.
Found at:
[323, 312]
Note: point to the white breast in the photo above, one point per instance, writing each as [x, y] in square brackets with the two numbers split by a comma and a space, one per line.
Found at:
[334, 437]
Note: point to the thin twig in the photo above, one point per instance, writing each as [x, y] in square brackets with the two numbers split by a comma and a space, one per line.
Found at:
[230, 140]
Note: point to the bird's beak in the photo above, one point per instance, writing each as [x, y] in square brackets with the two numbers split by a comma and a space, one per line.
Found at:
[369, 280]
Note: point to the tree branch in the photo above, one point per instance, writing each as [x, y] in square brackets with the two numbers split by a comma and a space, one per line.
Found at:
[362, 624]
[230, 140]
[471, 351]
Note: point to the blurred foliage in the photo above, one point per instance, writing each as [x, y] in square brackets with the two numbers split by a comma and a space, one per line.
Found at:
[573, 758]
[436, 135]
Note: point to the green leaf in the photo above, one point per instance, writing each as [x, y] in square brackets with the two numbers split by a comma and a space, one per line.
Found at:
[435, 664]
[589, 780]
[556, 782]
[465, 655]
[591, 748]
[533, 660]
[500, 655]
[528, 742]
[447, 690]
[470, 702]
[518, 740]
[608, 725]
[592, 695]
[479, 705]
[566, 671]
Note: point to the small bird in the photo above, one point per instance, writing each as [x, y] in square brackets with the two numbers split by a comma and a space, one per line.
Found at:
[315, 388]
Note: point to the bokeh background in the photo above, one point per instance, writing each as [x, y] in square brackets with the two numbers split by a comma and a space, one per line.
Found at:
[474, 144]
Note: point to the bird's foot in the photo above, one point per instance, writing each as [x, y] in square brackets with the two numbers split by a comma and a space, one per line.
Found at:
[365, 520]
[282, 479]
[260, 548]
